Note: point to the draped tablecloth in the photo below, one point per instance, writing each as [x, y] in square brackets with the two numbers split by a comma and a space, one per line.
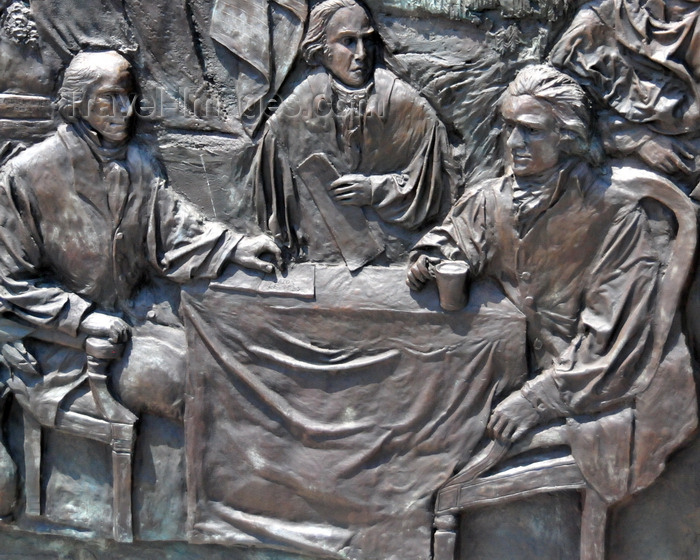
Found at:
[324, 425]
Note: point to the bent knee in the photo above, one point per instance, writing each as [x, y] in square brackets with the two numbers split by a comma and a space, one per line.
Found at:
[151, 377]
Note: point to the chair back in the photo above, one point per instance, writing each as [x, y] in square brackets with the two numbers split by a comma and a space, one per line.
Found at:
[678, 254]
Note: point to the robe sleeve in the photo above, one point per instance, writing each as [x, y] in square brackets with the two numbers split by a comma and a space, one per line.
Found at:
[605, 53]
[24, 289]
[422, 191]
[274, 193]
[182, 244]
[620, 137]
[598, 370]
[623, 138]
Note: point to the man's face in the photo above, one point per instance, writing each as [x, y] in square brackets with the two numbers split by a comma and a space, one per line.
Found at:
[350, 47]
[107, 108]
[532, 137]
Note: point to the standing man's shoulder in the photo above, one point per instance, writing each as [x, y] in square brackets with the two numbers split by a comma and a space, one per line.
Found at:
[399, 93]
[305, 113]
[308, 95]
[142, 160]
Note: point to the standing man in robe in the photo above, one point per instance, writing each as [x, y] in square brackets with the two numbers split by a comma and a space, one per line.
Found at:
[381, 157]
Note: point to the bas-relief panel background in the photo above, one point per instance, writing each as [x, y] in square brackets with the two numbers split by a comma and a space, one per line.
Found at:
[190, 101]
[460, 55]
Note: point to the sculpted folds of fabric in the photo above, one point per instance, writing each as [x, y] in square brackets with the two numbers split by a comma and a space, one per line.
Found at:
[353, 279]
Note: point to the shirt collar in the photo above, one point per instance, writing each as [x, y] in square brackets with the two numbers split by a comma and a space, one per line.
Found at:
[351, 96]
[101, 152]
[533, 196]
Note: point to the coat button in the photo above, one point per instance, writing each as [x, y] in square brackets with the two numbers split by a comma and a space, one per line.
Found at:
[119, 235]
[525, 276]
[529, 301]
[537, 344]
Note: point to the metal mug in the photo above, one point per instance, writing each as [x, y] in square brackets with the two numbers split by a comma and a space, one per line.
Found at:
[451, 280]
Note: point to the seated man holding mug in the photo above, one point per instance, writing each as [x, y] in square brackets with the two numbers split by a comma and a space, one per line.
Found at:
[573, 250]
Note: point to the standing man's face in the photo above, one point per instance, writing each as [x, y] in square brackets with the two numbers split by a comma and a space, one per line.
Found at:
[532, 137]
[108, 108]
[350, 48]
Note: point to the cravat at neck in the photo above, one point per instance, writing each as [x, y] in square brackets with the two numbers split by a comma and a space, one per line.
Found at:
[533, 196]
[102, 153]
[350, 106]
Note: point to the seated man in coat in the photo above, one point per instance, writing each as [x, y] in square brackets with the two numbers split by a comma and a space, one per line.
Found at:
[573, 250]
[86, 223]
[381, 155]
[640, 60]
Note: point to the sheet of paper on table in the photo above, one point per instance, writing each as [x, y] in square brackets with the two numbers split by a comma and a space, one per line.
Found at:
[296, 281]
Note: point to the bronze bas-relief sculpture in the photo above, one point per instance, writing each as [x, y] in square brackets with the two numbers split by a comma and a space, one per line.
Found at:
[86, 216]
[331, 401]
[526, 230]
[384, 143]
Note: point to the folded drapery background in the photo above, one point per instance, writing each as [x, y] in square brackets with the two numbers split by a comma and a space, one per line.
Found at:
[262, 37]
[168, 41]
[265, 36]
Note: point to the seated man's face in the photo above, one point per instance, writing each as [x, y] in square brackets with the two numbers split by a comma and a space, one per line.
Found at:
[350, 48]
[107, 109]
[532, 136]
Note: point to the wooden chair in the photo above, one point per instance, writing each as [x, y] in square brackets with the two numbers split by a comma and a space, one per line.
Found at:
[114, 427]
[474, 486]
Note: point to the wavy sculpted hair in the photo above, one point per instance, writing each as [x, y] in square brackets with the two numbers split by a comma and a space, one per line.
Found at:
[315, 39]
[82, 74]
[570, 106]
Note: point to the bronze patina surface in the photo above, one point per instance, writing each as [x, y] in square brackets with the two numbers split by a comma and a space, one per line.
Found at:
[403, 279]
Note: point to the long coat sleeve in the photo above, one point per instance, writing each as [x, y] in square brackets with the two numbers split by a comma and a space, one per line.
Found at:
[76, 234]
[587, 297]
